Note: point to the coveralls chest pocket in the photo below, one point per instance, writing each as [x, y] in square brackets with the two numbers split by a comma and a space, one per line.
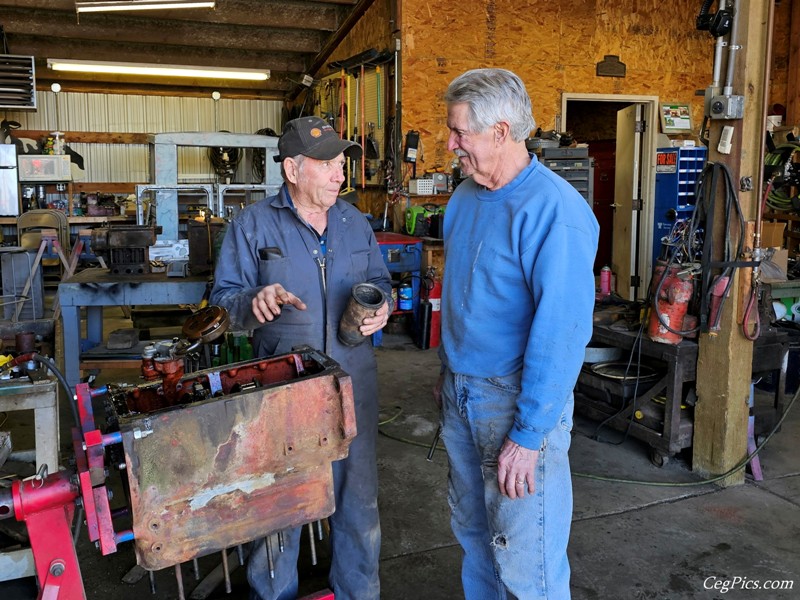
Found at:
[360, 265]
[273, 270]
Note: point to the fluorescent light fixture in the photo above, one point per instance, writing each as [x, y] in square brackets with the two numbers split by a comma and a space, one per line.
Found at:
[125, 5]
[124, 68]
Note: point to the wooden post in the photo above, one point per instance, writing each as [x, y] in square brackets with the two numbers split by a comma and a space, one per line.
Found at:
[725, 360]
[793, 85]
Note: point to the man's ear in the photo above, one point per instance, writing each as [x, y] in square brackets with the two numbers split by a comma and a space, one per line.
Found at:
[290, 167]
[501, 131]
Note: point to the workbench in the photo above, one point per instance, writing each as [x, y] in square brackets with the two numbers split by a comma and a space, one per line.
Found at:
[596, 395]
[96, 288]
[660, 412]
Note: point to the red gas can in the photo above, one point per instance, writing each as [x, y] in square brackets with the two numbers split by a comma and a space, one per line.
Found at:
[670, 303]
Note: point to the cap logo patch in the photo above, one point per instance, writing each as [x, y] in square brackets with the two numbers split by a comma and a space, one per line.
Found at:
[315, 132]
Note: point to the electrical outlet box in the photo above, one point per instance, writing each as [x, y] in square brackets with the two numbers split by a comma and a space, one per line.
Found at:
[727, 107]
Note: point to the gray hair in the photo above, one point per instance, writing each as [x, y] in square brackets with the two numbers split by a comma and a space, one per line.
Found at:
[298, 159]
[493, 95]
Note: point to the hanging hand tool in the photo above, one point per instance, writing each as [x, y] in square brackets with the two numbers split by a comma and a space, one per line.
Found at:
[363, 132]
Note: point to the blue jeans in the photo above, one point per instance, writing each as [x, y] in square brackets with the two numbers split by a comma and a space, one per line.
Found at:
[512, 548]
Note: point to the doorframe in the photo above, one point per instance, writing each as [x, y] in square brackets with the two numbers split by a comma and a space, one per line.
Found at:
[648, 167]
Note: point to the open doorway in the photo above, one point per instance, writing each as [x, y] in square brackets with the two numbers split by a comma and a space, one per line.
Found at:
[595, 123]
[625, 216]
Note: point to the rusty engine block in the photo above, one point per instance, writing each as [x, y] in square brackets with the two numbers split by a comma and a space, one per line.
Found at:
[225, 455]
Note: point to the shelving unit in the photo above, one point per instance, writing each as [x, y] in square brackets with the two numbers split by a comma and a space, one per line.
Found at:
[791, 235]
[677, 172]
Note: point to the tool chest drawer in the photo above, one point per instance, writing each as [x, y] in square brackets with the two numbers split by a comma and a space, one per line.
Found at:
[568, 164]
[400, 252]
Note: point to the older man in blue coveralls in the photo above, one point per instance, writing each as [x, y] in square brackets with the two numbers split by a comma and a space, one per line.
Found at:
[286, 269]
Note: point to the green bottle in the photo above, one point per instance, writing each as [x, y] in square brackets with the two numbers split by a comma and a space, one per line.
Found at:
[245, 349]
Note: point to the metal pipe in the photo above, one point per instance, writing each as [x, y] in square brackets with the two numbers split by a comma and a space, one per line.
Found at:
[226, 571]
[152, 576]
[270, 559]
[280, 541]
[179, 579]
[313, 546]
[196, 568]
[717, 67]
[240, 554]
[733, 48]
[319, 530]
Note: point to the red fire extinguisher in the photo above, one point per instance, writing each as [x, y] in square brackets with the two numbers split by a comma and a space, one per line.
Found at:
[670, 302]
[435, 298]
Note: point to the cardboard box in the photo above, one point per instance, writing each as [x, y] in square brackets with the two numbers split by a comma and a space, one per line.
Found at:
[773, 269]
[772, 234]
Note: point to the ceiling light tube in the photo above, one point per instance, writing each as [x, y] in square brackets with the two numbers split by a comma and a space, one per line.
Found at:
[125, 5]
[123, 68]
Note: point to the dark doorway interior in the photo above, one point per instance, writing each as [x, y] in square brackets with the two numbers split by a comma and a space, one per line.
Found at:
[595, 123]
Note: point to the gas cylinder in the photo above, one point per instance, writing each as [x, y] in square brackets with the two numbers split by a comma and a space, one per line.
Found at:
[435, 298]
[672, 303]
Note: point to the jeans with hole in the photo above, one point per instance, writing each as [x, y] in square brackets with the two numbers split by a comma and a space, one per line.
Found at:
[512, 548]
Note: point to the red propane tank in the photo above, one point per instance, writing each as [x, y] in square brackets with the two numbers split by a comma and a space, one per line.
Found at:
[435, 298]
[671, 303]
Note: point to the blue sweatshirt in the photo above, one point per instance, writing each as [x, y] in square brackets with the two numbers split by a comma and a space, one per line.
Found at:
[518, 290]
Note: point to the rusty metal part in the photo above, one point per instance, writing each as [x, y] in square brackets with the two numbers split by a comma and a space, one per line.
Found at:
[223, 469]
[206, 325]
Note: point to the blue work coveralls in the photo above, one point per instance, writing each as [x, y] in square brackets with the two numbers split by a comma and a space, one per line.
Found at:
[323, 282]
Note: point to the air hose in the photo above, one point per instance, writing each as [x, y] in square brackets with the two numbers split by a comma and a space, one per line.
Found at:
[785, 174]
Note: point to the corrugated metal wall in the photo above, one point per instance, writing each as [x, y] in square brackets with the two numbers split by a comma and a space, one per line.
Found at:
[114, 113]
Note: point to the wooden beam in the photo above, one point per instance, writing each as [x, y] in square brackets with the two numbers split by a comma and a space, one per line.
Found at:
[43, 48]
[112, 28]
[724, 363]
[88, 137]
[257, 13]
[793, 84]
[336, 39]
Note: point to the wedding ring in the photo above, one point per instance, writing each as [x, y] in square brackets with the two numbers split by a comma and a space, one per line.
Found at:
[520, 481]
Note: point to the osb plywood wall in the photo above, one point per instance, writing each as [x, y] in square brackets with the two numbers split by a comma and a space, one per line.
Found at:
[554, 48]
[373, 30]
[779, 76]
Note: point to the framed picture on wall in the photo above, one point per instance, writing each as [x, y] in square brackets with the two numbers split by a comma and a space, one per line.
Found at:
[675, 117]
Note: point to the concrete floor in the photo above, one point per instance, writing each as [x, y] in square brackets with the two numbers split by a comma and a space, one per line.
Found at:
[629, 541]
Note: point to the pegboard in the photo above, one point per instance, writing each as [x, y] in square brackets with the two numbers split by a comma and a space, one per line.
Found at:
[345, 101]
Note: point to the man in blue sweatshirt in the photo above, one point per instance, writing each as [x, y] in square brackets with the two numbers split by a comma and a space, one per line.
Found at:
[518, 295]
